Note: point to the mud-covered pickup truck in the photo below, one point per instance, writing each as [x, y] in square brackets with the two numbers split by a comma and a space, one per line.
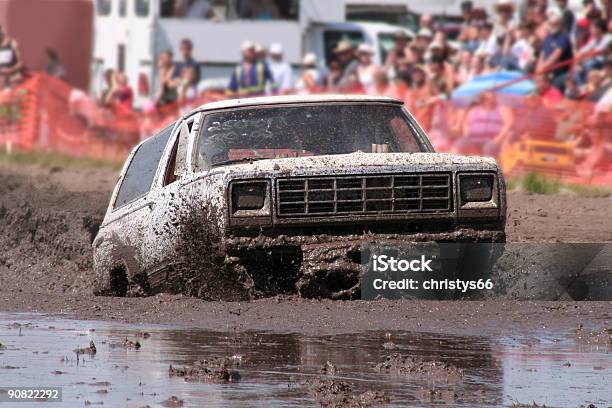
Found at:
[260, 196]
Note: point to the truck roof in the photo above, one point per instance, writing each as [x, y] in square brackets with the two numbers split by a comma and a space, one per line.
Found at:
[294, 99]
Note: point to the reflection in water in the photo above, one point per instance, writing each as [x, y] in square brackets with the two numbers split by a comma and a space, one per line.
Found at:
[274, 366]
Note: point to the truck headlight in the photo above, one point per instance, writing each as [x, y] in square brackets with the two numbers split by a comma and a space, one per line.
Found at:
[478, 197]
[250, 199]
[249, 196]
[476, 188]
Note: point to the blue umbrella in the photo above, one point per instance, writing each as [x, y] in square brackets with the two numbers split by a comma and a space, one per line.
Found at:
[493, 80]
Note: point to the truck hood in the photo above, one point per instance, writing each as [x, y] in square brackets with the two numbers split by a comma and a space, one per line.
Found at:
[356, 163]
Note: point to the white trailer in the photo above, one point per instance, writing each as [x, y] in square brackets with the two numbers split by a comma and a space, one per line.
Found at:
[129, 34]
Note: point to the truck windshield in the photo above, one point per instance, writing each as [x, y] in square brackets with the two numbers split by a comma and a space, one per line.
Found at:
[303, 130]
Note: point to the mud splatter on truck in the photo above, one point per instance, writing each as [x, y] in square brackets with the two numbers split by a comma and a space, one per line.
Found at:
[255, 197]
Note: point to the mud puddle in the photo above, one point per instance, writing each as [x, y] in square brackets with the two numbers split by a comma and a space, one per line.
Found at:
[121, 365]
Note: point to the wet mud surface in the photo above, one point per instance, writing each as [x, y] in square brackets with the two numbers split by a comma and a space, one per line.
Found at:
[49, 216]
[176, 366]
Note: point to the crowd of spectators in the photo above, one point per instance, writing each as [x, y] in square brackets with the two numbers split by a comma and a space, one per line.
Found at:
[567, 55]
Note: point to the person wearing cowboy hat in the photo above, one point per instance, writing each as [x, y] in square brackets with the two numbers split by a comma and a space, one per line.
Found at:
[424, 37]
[399, 52]
[504, 24]
[367, 69]
[345, 57]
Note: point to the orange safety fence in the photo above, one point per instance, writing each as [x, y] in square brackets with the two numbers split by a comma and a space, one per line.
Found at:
[564, 138]
[18, 115]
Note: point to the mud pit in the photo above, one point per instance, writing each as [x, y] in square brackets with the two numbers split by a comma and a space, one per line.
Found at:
[50, 215]
[544, 366]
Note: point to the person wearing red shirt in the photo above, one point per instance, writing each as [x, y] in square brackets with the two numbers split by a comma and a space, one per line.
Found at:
[120, 96]
[549, 94]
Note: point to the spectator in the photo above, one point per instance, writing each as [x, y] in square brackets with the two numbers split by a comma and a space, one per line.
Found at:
[166, 90]
[260, 52]
[281, 70]
[335, 73]
[488, 45]
[598, 41]
[522, 50]
[382, 87]
[504, 21]
[467, 7]
[187, 88]
[590, 10]
[426, 21]
[194, 9]
[592, 88]
[550, 95]
[470, 40]
[251, 76]
[464, 66]
[10, 58]
[367, 69]
[532, 121]
[567, 16]
[556, 52]
[418, 97]
[312, 79]
[107, 77]
[186, 48]
[55, 67]
[265, 10]
[120, 97]
[424, 38]
[582, 32]
[441, 74]
[345, 56]
[445, 50]
[399, 52]
[487, 122]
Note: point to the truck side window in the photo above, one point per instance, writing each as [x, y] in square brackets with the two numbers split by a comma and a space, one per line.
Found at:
[141, 171]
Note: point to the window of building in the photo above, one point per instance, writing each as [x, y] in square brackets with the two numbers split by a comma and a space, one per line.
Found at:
[122, 8]
[266, 10]
[104, 7]
[142, 8]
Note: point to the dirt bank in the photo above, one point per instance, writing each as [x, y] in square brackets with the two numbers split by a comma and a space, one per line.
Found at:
[48, 217]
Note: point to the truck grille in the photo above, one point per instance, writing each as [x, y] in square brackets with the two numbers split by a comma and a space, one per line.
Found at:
[364, 194]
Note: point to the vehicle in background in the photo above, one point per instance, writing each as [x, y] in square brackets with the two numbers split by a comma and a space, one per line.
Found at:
[554, 157]
[129, 34]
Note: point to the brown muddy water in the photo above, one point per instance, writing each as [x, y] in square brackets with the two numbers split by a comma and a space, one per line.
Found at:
[279, 369]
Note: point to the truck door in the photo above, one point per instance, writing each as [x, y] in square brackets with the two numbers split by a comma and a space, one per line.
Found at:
[120, 243]
[171, 201]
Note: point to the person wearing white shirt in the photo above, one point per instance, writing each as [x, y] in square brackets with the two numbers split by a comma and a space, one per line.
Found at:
[281, 70]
